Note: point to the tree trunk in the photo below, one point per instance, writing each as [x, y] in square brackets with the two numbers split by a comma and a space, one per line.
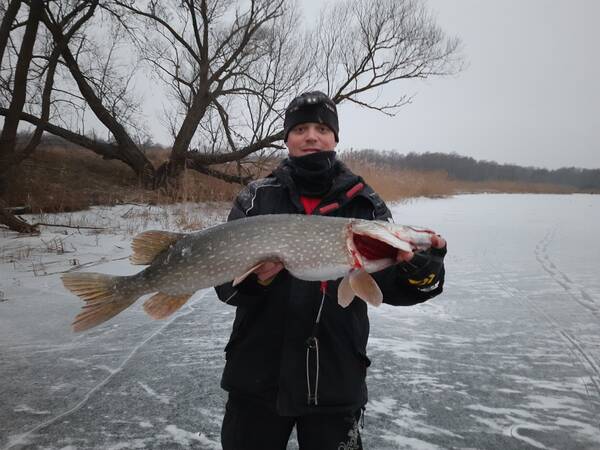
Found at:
[169, 172]
[8, 137]
[7, 21]
[13, 222]
[129, 151]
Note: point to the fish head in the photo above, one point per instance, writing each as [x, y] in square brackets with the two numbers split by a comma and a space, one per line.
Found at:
[389, 238]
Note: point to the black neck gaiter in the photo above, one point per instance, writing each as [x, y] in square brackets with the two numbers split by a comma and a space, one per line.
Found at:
[313, 174]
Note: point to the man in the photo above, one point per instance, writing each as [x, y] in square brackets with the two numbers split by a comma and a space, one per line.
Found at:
[295, 357]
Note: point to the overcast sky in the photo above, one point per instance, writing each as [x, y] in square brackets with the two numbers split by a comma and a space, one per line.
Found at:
[530, 94]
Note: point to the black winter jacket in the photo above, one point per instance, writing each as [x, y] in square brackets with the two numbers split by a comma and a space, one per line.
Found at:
[267, 355]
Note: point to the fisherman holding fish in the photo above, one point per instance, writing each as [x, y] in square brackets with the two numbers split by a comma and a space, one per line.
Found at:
[302, 247]
[297, 351]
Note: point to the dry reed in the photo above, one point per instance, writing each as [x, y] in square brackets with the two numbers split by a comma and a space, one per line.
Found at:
[58, 179]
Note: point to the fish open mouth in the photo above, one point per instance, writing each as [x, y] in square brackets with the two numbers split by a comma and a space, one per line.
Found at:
[373, 241]
[372, 248]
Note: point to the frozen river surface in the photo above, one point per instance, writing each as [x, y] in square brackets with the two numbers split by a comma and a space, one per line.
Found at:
[508, 357]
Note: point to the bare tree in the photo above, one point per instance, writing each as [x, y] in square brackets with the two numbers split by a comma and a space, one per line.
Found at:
[43, 97]
[87, 81]
[103, 96]
[232, 78]
[230, 68]
[35, 72]
[363, 46]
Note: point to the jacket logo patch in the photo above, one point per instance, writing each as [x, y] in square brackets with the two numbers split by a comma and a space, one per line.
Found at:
[424, 281]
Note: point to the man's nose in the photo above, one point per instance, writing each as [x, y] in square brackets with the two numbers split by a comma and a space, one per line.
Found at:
[311, 134]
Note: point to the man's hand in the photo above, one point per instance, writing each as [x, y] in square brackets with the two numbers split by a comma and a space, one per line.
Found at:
[436, 242]
[268, 270]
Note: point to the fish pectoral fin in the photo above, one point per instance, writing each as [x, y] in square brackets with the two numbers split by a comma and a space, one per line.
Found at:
[161, 305]
[237, 280]
[365, 287]
[345, 292]
[148, 245]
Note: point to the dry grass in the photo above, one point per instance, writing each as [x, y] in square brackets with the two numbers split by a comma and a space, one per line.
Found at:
[401, 184]
[398, 185]
[58, 179]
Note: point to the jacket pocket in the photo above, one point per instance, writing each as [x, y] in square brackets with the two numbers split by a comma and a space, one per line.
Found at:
[360, 334]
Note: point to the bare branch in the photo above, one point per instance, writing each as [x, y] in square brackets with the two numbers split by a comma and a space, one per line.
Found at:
[107, 151]
[217, 174]
[383, 42]
[154, 17]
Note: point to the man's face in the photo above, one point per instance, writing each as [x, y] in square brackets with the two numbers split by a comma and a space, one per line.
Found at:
[310, 137]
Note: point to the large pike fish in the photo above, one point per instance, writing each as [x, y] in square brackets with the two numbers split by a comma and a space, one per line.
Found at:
[313, 248]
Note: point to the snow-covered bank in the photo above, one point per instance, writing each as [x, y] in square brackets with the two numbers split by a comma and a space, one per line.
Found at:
[30, 265]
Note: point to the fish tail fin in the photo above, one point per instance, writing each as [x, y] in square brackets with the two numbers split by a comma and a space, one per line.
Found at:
[161, 305]
[102, 296]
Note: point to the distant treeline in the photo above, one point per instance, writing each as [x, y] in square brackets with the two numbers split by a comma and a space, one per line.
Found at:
[469, 169]
[456, 166]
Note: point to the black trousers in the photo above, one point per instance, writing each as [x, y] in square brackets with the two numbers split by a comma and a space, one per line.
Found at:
[249, 425]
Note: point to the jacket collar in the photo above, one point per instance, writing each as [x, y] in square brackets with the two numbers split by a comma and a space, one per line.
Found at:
[346, 184]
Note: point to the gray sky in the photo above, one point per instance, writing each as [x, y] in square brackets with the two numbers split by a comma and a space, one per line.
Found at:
[530, 94]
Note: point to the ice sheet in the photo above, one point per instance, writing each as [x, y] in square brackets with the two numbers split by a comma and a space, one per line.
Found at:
[508, 357]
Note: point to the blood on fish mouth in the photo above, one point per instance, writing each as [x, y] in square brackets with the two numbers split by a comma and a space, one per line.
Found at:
[373, 249]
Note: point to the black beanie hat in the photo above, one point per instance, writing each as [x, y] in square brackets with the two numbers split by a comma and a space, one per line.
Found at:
[311, 107]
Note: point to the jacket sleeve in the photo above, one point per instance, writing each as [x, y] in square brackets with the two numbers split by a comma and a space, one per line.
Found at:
[249, 292]
[412, 282]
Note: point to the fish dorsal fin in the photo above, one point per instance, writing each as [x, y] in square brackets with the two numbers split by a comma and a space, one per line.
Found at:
[345, 292]
[161, 305]
[246, 274]
[365, 287]
[148, 245]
